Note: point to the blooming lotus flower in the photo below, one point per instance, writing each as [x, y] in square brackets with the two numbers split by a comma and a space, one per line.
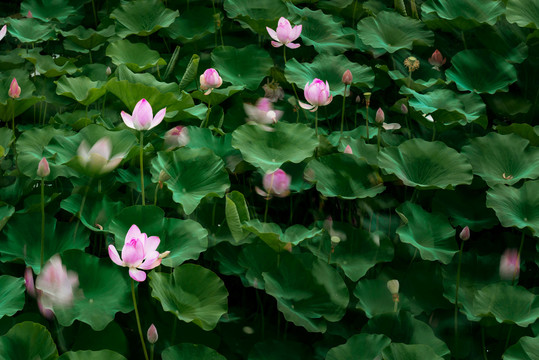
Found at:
[142, 118]
[97, 158]
[275, 183]
[3, 32]
[14, 89]
[210, 80]
[177, 137]
[509, 264]
[139, 253]
[317, 94]
[263, 112]
[43, 169]
[437, 60]
[285, 34]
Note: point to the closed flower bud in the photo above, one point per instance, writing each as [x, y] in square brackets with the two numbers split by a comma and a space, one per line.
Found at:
[275, 183]
[380, 116]
[358, 99]
[437, 60]
[347, 77]
[43, 169]
[152, 334]
[108, 71]
[509, 264]
[14, 89]
[210, 80]
[393, 286]
[404, 109]
[465, 234]
[29, 14]
[348, 150]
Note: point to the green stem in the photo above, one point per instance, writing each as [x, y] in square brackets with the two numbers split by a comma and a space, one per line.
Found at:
[355, 117]
[152, 346]
[380, 128]
[284, 54]
[207, 119]
[395, 306]
[266, 211]
[433, 130]
[518, 257]
[343, 105]
[42, 222]
[367, 123]
[95, 14]
[483, 343]
[508, 336]
[457, 295]
[316, 122]
[138, 319]
[142, 168]
[155, 194]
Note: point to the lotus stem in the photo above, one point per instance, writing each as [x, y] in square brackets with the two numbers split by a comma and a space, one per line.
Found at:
[155, 194]
[367, 122]
[13, 116]
[207, 119]
[266, 211]
[142, 170]
[95, 14]
[483, 343]
[284, 54]
[343, 105]
[152, 346]
[138, 319]
[433, 129]
[316, 123]
[42, 254]
[457, 284]
[380, 128]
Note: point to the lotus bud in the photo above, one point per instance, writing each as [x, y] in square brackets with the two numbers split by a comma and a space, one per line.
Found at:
[367, 98]
[29, 282]
[14, 89]
[393, 286]
[404, 109]
[43, 169]
[317, 94]
[210, 80]
[437, 60]
[465, 234]
[29, 15]
[380, 116]
[509, 264]
[348, 150]
[177, 137]
[152, 334]
[358, 99]
[347, 77]
[108, 71]
[163, 176]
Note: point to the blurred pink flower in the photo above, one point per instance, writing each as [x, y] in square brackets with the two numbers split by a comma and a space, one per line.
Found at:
[43, 169]
[14, 89]
[29, 281]
[273, 91]
[275, 183]
[348, 150]
[437, 60]
[29, 14]
[317, 94]
[3, 32]
[97, 158]
[509, 264]
[139, 252]
[177, 137]
[263, 112]
[285, 34]
[152, 334]
[404, 109]
[210, 80]
[142, 118]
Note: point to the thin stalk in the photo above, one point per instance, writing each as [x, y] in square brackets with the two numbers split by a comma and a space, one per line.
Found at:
[316, 122]
[266, 211]
[13, 116]
[138, 319]
[294, 88]
[378, 137]
[142, 169]
[95, 14]
[367, 123]
[207, 119]
[518, 258]
[343, 105]
[508, 336]
[433, 130]
[42, 222]
[90, 56]
[284, 54]
[483, 343]
[155, 194]
[408, 126]
[395, 305]
[152, 346]
[355, 117]
[457, 284]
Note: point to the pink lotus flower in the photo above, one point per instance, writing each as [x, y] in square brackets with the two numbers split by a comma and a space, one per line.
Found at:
[437, 60]
[177, 137]
[43, 169]
[3, 32]
[210, 80]
[14, 89]
[285, 34]
[317, 94]
[142, 118]
[275, 183]
[139, 252]
[404, 109]
[509, 265]
[97, 158]
[263, 113]
[29, 282]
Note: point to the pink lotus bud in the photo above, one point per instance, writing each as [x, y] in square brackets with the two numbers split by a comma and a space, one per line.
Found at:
[465, 234]
[285, 34]
[404, 109]
[437, 60]
[152, 334]
[3, 32]
[275, 183]
[43, 169]
[347, 77]
[108, 71]
[210, 80]
[509, 264]
[348, 150]
[177, 137]
[317, 94]
[380, 116]
[29, 281]
[14, 89]
[142, 117]
[29, 15]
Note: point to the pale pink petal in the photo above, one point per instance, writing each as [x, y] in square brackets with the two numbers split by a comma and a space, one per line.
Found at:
[296, 32]
[83, 151]
[137, 275]
[276, 44]
[305, 106]
[133, 253]
[272, 33]
[132, 233]
[128, 120]
[158, 117]
[114, 256]
[330, 99]
[260, 192]
[151, 244]
[142, 115]
[151, 261]
[293, 46]
[111, 165]
[102, 147]
[3, 32]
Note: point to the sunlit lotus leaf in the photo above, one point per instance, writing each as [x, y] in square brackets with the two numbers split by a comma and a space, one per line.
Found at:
[181, 293]
[50, 10]
[430, 233]
[347, 177]
[397, 351]
[97, 210]
[84, 40]
[28, 340]
[11, 295]
[142, 17]
[191, 351]
[21, 239]
[268, 150]
[526, 348]
[516, 207]
[105, 290]
[308, 291]
[481, 71]
[194, 174]
[447, 106]
[426, 164]
[463, 14]
[328, 68]
[91, 355]
[523, 13]
[392, 32]
[502, 159]
[359, 347]
[47, 65]
[136, 56]
[526, 131]
[321, 30]
[81, 88]
[5, 214]
[246, 66]
[192, 25]
[507, 304]
[29, 30]
[256, 16]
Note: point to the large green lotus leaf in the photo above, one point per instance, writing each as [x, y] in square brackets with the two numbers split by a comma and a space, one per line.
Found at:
[193, 25]
[523, 13]
[11, 295]
[507, 303]
[268, 150]
[430, 233]
[308, 291]
[297, 233]
[256, 15]
[194, 174]
[147, 79]
[344, 176]
[396, 351]
[6, 138]
[50, 10]
[22, 239]
[204, 138]
[81, 88]
[359, 347]
[91, 355]
[516, 207]
[98, 210]
[142, 17]
[181, 293]
[331, 69]
[375, 298]
[447, 106]
[464, 14]
[136, 56]
[526, 131]
[425, 164]
[481, 71]
[191, 351]
[357, 252]
[320, 30]
[270, 233]
[5, 214]
[105, 290]
[402, 327]
[526, 348]
[392, 32]
[247, 66]
[254, 260]
[502, 159]
[28, 30]
[47, 65]
[185, 239]
[27, 341]
[279, 349]
[88, 39]
[217, 96]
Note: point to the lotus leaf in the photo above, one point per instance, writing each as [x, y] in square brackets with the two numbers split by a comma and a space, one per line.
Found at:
[81, 88]
[256, 16]
[360, 347]
[191, 351]
[136, 56]
[142, 17]
[526, 348]
[523, 13]
[11, 295]
[28, 340]
[464, 14]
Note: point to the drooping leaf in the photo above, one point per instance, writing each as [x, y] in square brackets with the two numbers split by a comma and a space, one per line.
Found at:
[59, 10]
[526, 348]
[236, 213]
[463, 14]
[84, 40]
